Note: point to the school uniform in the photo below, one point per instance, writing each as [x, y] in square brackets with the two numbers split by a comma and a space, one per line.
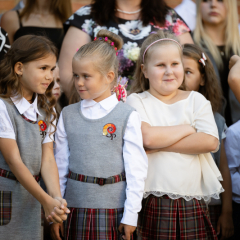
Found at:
[20, 212]
[102, 167]
[178, 185]
[232, 149]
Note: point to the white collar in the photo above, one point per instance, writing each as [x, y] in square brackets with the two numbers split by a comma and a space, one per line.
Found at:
[23, 105]
[107, 103]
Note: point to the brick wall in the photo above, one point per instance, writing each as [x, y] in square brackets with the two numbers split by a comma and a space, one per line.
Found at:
[76, 4]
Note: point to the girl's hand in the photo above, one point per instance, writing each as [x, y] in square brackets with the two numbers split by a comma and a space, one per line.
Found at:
[53, 212]
[233, 60]
[225, 226]
[126, 231]
[63, 204]
[55, 230]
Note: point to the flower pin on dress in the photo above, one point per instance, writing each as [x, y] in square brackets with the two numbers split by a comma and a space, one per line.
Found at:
[109, 130]
[42, 125]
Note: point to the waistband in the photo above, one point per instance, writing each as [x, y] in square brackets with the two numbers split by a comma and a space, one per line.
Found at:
[10, 175]
[100, 181]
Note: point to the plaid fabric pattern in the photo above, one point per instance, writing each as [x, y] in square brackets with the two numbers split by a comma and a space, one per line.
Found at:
[5, 207]
[93, 224]
[164, 218]
[28, 120]
[10, 175]
[101, 181]
[215, 212]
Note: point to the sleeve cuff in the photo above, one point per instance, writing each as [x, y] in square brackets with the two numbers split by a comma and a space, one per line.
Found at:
[9, 136]
[129, 218]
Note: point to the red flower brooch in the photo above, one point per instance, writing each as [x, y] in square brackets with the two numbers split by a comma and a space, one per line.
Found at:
[42, 125]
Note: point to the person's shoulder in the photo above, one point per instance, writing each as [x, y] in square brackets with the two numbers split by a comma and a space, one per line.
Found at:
[234, 130]
[85, 10]
[198, 97]
[137, 96]
[9, 18]
[219, 117]
[70, 107]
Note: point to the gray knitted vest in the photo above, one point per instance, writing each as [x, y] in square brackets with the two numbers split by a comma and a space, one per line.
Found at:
[28, 139]
[220, 121]
[25, 218]
[95, 154]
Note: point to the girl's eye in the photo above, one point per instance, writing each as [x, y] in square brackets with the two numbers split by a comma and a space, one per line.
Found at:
[86, 76]
[187, 72]
[175, 64]
[43, 68]
[75, 75]
[160, 65]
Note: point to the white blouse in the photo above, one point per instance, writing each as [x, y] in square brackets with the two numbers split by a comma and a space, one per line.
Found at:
[135, 158]
[175, 174]
[29, 110]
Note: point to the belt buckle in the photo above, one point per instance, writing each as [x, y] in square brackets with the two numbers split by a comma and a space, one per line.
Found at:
[101, 181]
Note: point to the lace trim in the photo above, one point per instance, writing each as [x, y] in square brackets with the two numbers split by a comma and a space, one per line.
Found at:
[187, 198]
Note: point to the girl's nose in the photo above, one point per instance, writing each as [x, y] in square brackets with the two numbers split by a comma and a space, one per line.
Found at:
[168, 70]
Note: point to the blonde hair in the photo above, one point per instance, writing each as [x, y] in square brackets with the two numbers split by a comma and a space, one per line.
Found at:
[103, 55]
[232, 38]
[140, 83]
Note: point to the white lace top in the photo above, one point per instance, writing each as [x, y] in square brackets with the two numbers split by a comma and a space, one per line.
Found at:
[175, 174]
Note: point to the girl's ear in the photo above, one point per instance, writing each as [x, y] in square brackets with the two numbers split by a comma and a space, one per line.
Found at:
[18, 68]
[110, 77]
[143, 68]
[202, 82]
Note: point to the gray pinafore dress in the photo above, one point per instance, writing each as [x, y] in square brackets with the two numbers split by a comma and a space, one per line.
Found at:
[96, 185]
[20, 212]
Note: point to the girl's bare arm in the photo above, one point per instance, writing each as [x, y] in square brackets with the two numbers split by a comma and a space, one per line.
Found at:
[11, 154]
[161, 137]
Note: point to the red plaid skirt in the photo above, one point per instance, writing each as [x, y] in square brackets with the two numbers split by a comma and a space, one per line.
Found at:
[93, 224]
[215, 212]
[5, 207]
[164, 218]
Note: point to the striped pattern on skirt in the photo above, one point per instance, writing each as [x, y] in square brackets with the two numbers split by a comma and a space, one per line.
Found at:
[93, 224]
[164, 218]
[5, 207]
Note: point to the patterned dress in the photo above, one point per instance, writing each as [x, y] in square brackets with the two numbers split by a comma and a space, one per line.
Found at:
[4, 43]
[132, 32]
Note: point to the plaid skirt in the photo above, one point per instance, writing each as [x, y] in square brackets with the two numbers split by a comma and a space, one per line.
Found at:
[93, 224]
[164, 218]
[214, 212]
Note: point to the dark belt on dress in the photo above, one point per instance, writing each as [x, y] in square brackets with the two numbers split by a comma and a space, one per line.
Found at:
[100, 181]
[10, 175]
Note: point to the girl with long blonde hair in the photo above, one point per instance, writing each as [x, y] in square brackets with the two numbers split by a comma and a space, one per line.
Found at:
[217, 31]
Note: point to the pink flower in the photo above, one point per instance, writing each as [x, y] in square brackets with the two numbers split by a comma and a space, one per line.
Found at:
[121, 92]
[180, 27]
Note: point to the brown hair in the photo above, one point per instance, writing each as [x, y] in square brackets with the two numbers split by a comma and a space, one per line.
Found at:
[26, 49]
[154, 11]
[140, 83]
[62, 9]
[211, 89]
[103, 53]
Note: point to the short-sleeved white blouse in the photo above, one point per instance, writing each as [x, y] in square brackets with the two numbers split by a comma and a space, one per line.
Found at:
[175, 174]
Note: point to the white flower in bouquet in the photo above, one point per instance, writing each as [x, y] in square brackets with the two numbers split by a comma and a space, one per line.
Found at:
[133, 54]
